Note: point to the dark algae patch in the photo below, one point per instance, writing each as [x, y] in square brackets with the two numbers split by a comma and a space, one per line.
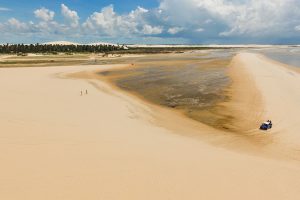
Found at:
[193, 86]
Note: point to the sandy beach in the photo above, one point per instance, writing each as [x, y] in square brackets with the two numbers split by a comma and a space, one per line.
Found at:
[57, 144]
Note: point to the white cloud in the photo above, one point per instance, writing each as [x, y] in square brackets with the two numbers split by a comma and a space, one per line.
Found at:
[297, 28]
[15, 24]
[261, 18]
[199, 30]
[70, 15]
[104, 21]
[257, 18]
[107, 22]
[152, 30]
[208, 21]
[47, 26]
[175, 30]
[44, 14]
[43, 28]
[4, 9]
[51, 27]
[138, 12]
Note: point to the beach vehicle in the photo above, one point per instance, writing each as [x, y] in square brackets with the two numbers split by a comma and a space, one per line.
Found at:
[266, 125]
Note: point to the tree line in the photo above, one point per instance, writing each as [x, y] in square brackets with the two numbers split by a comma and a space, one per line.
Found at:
[51, 48]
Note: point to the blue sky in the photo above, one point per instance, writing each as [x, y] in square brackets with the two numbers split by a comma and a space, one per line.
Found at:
[151, 21]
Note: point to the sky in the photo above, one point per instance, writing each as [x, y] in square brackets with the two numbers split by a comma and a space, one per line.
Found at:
[151, 21]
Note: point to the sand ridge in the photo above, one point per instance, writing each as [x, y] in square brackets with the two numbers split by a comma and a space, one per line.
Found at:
[246, 104]
[279, 87]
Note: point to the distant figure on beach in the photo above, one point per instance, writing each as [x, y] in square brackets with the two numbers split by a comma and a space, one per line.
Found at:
[81, 93]
[86, 92]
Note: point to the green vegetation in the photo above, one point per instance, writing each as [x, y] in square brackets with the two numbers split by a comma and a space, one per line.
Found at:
[22, 49]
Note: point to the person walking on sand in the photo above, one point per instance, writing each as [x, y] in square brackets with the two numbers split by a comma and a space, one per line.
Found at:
[86, 92]
[81, 93]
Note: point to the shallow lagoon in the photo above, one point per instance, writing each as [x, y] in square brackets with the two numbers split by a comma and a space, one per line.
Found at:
[193, 83]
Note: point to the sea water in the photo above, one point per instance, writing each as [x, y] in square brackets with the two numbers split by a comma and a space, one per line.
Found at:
[287, 55]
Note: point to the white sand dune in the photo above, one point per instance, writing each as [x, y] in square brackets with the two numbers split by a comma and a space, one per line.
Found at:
[56, 144]
[61, 43]
[102, 43]
[73, 43]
